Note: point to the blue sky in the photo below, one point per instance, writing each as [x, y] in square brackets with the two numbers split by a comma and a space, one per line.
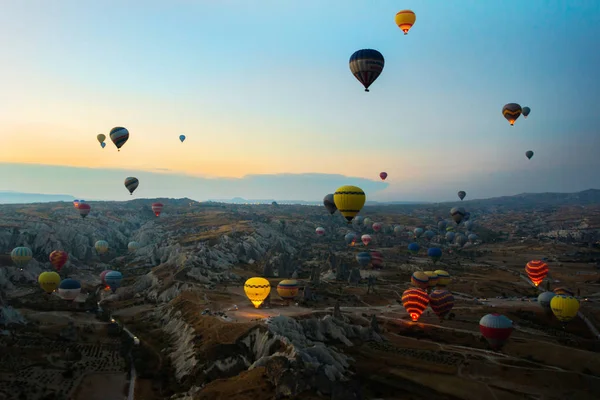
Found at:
[263, 87]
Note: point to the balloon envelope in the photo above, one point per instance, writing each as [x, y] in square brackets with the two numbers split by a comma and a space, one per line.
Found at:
[49, 281]
[69, 289]
[349, 200]
[287, 289]
[414, 248]
[366, 65]
[529, 154]
[526, 111]
[536, 271]
[101, 138]
[415, 301]
[564, 308]
[157, 208]
[496, 329]
[21, 256]
[119, 136]
[257, 289]
[329, 203]
[441, 302]
[58, 258]
[113, 280]
[462, 194]
[511, 112]
[182, 138]
[131, 183]
[383, 175]
[405, 19]
[101, 246]
[420, 279]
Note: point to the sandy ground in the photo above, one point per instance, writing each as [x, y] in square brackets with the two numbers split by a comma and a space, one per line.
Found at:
[102, 387]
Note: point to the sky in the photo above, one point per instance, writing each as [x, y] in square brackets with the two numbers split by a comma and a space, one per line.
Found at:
[263, 92]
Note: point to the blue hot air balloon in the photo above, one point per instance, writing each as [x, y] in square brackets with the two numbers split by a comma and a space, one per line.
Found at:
[182, 138]
[435, 253]
[113, 280]
[69, 289]
[103, 145]
[363, 258]
[413, 248]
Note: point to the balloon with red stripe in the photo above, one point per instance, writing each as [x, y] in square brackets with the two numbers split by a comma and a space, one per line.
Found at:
[377, 226]
[415, 301]
[58, 259]
[537, 271]
[376, 259]
[84, 209]
[366, 239]
[441, 302]
[157, 208]
[496, 329]
[320, 231]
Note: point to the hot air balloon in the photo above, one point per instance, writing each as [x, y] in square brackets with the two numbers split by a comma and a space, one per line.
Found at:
[101, 246]
[181, 138]
[329, 203]
[526, 111]
[84, 209]
[536, 271]
[49, 281]
[457, 214]
[366, 66]
[103, 145]
[462, 194]
[398, 229]
[433, 279]
[21, 256]
[460, 239]
[257, 289]
[511, 112]
[529, 154]
[496, 329]
[377, 259]
[420, 279]
[75, 203]
[563, 291]
[58, 258]
[450, 236]
[320, 231]
[113, 280]
[131, 184]
[377, 226]
[429, 234]
[441, 302]
[405, 19]
[103, 276]
[287, 289]
[414, 248]
[133, 246]
[383, 175]
[415, 301]
[359, 219]
[119, 136]
[565, 308]
[435, 253]
[418, 232]
[444, 278]
[469, 225]
[363, 258]
[472, 237]
[157, 208]
[544, 300]
[101, 138]
[366, 239]
[69, 289]
[350, 238]
[442, 225]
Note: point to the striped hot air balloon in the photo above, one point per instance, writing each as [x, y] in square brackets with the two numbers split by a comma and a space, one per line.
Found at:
[537, 271]
[376, 259]
[496, 329]
[131, 183]
[564, 308]
[405, 19]
[58, 258]
[366, 65]
[441, 302]
[415, 301]
[444, 278]
[113, 280]
[84, 209]
[433, 279]
[349, 200]
[420, 279]
[157, 208]
[21, 256]
[320, 231]
[119, 136]
[101, 246]
[103, 276]
[288, 289]
[511, 111]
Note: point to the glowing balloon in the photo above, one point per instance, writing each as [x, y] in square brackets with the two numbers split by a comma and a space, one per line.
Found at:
[537, 271]
[287, 289]
[257, 289]
[113, 280]
[415, 301]
[350, 238]
[511, 112]
[49, 281]
[405, 19]
[157, 208]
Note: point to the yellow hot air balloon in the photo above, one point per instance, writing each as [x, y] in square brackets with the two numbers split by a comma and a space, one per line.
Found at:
[405, 19]
[433, 278]
[349, 200]
[287, 289]
[565, 308]
[101, 246]
[49, 281]
[101, 138]
[257, 289]
[444, 278]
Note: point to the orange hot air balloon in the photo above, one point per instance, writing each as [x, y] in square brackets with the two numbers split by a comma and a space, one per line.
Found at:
[537, 271]
[415, 301]
[405, 19]
[58, 259]
[157, 208]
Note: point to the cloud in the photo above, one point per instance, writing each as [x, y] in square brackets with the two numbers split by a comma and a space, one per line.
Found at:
[107, 184]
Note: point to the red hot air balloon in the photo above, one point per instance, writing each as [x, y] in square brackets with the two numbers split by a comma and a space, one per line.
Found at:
[496, 329]
[377, 226]
[157, 208]
[366, 239]
[58, 258]
[376, 259]
[320, 231]
[84, 209]
[441, 302]
[383, 175]
[103, 275]
[415, 301]
[537, 271]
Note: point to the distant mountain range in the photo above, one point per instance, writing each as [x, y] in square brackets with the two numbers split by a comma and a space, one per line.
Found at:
[590, 196]
[10, 197]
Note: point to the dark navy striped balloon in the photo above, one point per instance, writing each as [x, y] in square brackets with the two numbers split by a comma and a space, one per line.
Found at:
[366, 65]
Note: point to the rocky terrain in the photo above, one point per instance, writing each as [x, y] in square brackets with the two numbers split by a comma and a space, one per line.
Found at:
[346, 335]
